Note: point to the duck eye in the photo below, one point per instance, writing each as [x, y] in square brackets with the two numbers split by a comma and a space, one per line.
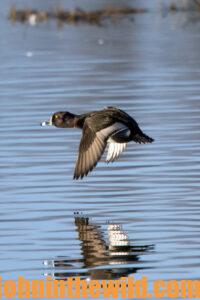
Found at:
[56, 116]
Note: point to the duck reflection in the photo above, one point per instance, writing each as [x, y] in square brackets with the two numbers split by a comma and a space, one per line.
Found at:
[103, 258]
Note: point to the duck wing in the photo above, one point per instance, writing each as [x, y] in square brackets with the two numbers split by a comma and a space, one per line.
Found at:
[114, 150]
[91, 149]
[117, 143]
[92, 145]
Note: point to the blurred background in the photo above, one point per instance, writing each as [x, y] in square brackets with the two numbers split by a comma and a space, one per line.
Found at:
[146, 63]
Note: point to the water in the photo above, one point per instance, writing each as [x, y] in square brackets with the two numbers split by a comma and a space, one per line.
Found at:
[150, 68]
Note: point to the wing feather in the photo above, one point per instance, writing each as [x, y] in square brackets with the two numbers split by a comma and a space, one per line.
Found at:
[93, 144]
[90, 154]
[114, 150]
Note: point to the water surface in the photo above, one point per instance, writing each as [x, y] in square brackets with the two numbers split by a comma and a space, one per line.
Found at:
[149, 67]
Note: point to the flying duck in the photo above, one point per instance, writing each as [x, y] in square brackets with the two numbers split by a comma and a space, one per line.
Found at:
[110, 126]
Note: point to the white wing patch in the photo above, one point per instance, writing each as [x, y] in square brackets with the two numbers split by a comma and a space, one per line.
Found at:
[114, 150]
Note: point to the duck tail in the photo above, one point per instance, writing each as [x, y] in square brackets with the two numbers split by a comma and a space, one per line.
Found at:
[142, 138]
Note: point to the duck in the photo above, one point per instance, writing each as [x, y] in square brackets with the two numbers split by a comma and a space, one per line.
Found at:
[110, 127]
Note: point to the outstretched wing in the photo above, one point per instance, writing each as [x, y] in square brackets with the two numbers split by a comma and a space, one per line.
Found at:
[91, 149]
[92, 146]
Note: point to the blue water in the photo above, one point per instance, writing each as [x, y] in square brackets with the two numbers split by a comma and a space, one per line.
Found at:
[148, 67]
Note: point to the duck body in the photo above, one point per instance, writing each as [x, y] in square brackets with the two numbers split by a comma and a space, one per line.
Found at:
[110, 126]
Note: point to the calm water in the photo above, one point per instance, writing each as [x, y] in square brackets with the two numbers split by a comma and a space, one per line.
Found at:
[149, 67]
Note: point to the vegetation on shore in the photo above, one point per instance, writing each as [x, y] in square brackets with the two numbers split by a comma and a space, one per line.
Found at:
[33, 16]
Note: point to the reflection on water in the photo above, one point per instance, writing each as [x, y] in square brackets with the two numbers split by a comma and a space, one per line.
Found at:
[116, 257]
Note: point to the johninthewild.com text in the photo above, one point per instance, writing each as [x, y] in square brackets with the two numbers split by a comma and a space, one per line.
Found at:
[82, 288]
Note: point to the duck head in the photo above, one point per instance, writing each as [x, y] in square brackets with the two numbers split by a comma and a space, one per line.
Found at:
[61, 119]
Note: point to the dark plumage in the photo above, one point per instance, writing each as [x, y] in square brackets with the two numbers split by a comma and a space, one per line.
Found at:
[110, 126]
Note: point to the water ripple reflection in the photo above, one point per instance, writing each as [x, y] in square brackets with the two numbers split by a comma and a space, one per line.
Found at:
[101, 260]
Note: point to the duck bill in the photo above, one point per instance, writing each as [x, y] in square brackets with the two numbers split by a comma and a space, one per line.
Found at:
[47, 123]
